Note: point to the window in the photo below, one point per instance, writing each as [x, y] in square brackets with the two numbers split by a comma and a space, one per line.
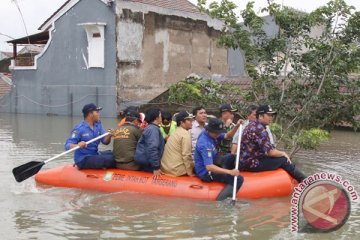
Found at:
[96, 40]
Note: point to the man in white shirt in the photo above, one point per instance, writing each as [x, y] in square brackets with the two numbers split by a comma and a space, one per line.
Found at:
[198, 125]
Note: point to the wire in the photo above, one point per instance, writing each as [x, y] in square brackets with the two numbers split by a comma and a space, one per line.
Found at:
[54, 106]
[113, 95]
[91, 95]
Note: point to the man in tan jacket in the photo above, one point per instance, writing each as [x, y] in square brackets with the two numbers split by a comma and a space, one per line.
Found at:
[177, 159]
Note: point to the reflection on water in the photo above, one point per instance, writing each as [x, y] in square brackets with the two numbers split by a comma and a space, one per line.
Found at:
[55, 213]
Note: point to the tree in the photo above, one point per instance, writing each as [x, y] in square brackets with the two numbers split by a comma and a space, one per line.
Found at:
[310, 78]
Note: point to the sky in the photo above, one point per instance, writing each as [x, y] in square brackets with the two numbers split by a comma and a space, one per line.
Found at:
[35, 12]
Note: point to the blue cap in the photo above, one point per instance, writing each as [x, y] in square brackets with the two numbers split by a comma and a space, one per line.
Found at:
[90, 107]
[215, 125]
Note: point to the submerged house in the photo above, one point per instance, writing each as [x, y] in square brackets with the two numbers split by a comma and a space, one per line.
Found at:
[115, 54]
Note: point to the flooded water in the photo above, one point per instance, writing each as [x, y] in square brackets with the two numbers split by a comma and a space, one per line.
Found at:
[31, 212]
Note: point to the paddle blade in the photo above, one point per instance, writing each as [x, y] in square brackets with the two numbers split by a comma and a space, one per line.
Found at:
[27, 170]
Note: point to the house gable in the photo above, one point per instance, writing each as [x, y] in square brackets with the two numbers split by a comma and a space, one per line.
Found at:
[61, 11]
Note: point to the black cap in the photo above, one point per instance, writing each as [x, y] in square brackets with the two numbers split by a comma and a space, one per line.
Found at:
[90, 107]
[181, 116]
[265, 109]
[132, 115]
[227, 108]
[215, 125]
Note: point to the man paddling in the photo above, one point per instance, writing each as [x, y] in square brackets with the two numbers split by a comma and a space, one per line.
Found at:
[88, 156]
[205, 155]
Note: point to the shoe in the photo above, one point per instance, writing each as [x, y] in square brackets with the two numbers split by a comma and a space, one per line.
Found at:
[298, 175]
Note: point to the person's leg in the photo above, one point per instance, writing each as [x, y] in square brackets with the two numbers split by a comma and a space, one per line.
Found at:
[290, 168]
[133, 166]
[206, 178]
[109, 161]
[97, 162]
[271, 163]
[218, 159]
[229, 181]
[107, 152]
[228, 161]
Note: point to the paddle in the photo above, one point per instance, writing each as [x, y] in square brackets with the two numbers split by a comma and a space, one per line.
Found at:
[237, 163]
[31, 168]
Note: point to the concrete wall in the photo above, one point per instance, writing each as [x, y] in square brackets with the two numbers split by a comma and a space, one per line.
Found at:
[165, 49]
[62, 83]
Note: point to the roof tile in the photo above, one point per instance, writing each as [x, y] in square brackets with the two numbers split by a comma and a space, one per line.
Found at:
[179, 5]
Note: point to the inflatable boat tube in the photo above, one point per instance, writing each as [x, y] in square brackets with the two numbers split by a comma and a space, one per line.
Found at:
[256, 185]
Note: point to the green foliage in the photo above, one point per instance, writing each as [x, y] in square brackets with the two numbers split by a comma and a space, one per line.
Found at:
[204, 92]
[311, 139]
[306, 69]
[305, 139]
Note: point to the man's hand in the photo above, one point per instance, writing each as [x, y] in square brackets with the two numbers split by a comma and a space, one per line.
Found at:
[82, 144]
[239, 122]
[157, 174]
[288, 158]
[112, 132]
[234, 172]
[229, 135]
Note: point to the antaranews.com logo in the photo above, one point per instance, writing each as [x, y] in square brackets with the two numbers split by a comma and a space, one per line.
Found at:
[321, 203]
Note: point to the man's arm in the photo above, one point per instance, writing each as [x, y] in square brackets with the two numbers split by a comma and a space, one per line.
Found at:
[234, 142]
[152, 148]
[74, 140]
[209, 163]
[277, 153]
[107, 139]
[229, 135]
[215, 169]
[233, 148]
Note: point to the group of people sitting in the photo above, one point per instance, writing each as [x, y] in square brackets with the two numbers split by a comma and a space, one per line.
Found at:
[186, 144]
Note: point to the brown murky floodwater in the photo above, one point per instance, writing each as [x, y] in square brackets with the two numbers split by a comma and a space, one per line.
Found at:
[31, 212]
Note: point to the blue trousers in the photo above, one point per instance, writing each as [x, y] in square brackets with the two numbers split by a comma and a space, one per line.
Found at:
[228, 162]
[103, 160]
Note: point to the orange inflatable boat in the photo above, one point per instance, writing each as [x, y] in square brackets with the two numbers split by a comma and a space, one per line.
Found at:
[256, 185]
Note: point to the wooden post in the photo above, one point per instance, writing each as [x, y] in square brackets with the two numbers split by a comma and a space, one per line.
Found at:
[14, 51]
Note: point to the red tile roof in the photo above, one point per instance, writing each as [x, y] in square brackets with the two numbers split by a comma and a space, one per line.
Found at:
[179, 5]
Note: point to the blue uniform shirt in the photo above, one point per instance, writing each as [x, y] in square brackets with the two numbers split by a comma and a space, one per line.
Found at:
[83, 132]
[205, 152]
